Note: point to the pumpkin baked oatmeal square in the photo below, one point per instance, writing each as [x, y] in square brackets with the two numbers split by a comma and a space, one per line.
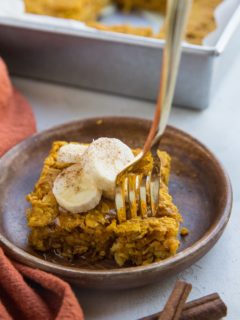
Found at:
[96, 234]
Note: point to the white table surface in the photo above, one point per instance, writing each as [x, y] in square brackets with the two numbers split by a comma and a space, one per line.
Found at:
[218, 127]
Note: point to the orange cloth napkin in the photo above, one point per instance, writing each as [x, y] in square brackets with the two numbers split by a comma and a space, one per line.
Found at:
[27, 293]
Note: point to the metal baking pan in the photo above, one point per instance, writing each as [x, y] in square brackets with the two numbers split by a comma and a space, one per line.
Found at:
[115, 63]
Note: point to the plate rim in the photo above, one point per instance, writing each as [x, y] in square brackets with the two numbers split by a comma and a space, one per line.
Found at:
[212, 235]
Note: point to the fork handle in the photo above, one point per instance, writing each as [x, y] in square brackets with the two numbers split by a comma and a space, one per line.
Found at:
[176, 20]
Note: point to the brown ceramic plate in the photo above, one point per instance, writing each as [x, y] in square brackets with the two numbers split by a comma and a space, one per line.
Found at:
[198, 183]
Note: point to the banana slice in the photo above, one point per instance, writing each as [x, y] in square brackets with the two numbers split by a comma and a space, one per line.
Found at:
[105, 158]
[71, 153]
[75, 190]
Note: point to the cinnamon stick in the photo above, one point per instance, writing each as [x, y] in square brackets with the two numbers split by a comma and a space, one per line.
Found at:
[208, 307]
[176, 301]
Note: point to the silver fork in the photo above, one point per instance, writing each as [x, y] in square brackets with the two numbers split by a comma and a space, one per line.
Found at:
[141, 191]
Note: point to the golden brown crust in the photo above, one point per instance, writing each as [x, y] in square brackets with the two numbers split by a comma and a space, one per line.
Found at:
[83, 10]
[201, 21]
[152, 5]
[126, 28]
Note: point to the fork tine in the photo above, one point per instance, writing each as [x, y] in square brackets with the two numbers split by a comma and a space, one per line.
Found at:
[132, 195]
[155, 189]
[143, 196]
[120, 200]
[148, 189]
